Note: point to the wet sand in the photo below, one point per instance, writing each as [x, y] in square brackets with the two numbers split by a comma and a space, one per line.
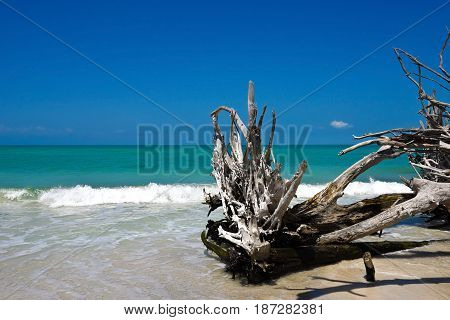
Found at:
[156, 253]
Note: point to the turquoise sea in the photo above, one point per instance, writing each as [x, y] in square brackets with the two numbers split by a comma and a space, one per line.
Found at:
[114, 166]
[122, 222]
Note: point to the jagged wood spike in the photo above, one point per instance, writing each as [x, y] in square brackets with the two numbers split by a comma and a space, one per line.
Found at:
[268, 151]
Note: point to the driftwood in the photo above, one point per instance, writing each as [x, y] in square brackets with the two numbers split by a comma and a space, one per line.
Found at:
[283, 260]
[259, 222]
[370, 268]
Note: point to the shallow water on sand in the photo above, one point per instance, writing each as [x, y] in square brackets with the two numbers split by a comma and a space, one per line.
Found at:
[153, 251]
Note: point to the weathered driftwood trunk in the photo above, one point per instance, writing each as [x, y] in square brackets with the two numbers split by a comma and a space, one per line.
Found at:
[370, 268]
[258, 221]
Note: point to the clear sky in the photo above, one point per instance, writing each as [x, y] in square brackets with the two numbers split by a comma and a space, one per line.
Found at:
[190, 56]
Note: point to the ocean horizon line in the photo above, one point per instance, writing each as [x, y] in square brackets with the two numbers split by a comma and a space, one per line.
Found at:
[156, 145]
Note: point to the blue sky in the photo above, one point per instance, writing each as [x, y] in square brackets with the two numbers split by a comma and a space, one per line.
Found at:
[192, 56]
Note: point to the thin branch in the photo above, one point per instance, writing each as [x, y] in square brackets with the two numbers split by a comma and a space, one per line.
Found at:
[441, 56]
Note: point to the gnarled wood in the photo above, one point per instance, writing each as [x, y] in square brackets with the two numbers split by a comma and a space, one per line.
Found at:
[259, 223]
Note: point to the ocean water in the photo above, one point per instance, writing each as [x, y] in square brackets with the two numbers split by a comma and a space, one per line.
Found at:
[124, 222]
[114, 166]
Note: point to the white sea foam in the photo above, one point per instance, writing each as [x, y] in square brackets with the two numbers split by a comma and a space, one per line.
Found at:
[357, 189]
[166, 194]
[152, 193]
[375, 188]
[13, 194]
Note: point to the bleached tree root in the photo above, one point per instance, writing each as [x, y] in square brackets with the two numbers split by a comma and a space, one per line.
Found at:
[261, 230]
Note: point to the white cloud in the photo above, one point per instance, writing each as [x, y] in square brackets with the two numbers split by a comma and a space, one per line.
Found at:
[339, 124]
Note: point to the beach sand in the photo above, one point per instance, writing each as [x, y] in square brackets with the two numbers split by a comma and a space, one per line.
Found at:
[156, 253]
[419, 273]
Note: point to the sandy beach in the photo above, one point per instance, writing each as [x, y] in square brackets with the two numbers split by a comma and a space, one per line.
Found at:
[133, 251]
[419, 273]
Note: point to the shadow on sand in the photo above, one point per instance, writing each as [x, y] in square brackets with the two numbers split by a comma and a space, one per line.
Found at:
[418, 254]
[349, 286]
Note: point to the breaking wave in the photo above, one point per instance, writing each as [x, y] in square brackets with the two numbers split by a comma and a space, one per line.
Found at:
[166, 194]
